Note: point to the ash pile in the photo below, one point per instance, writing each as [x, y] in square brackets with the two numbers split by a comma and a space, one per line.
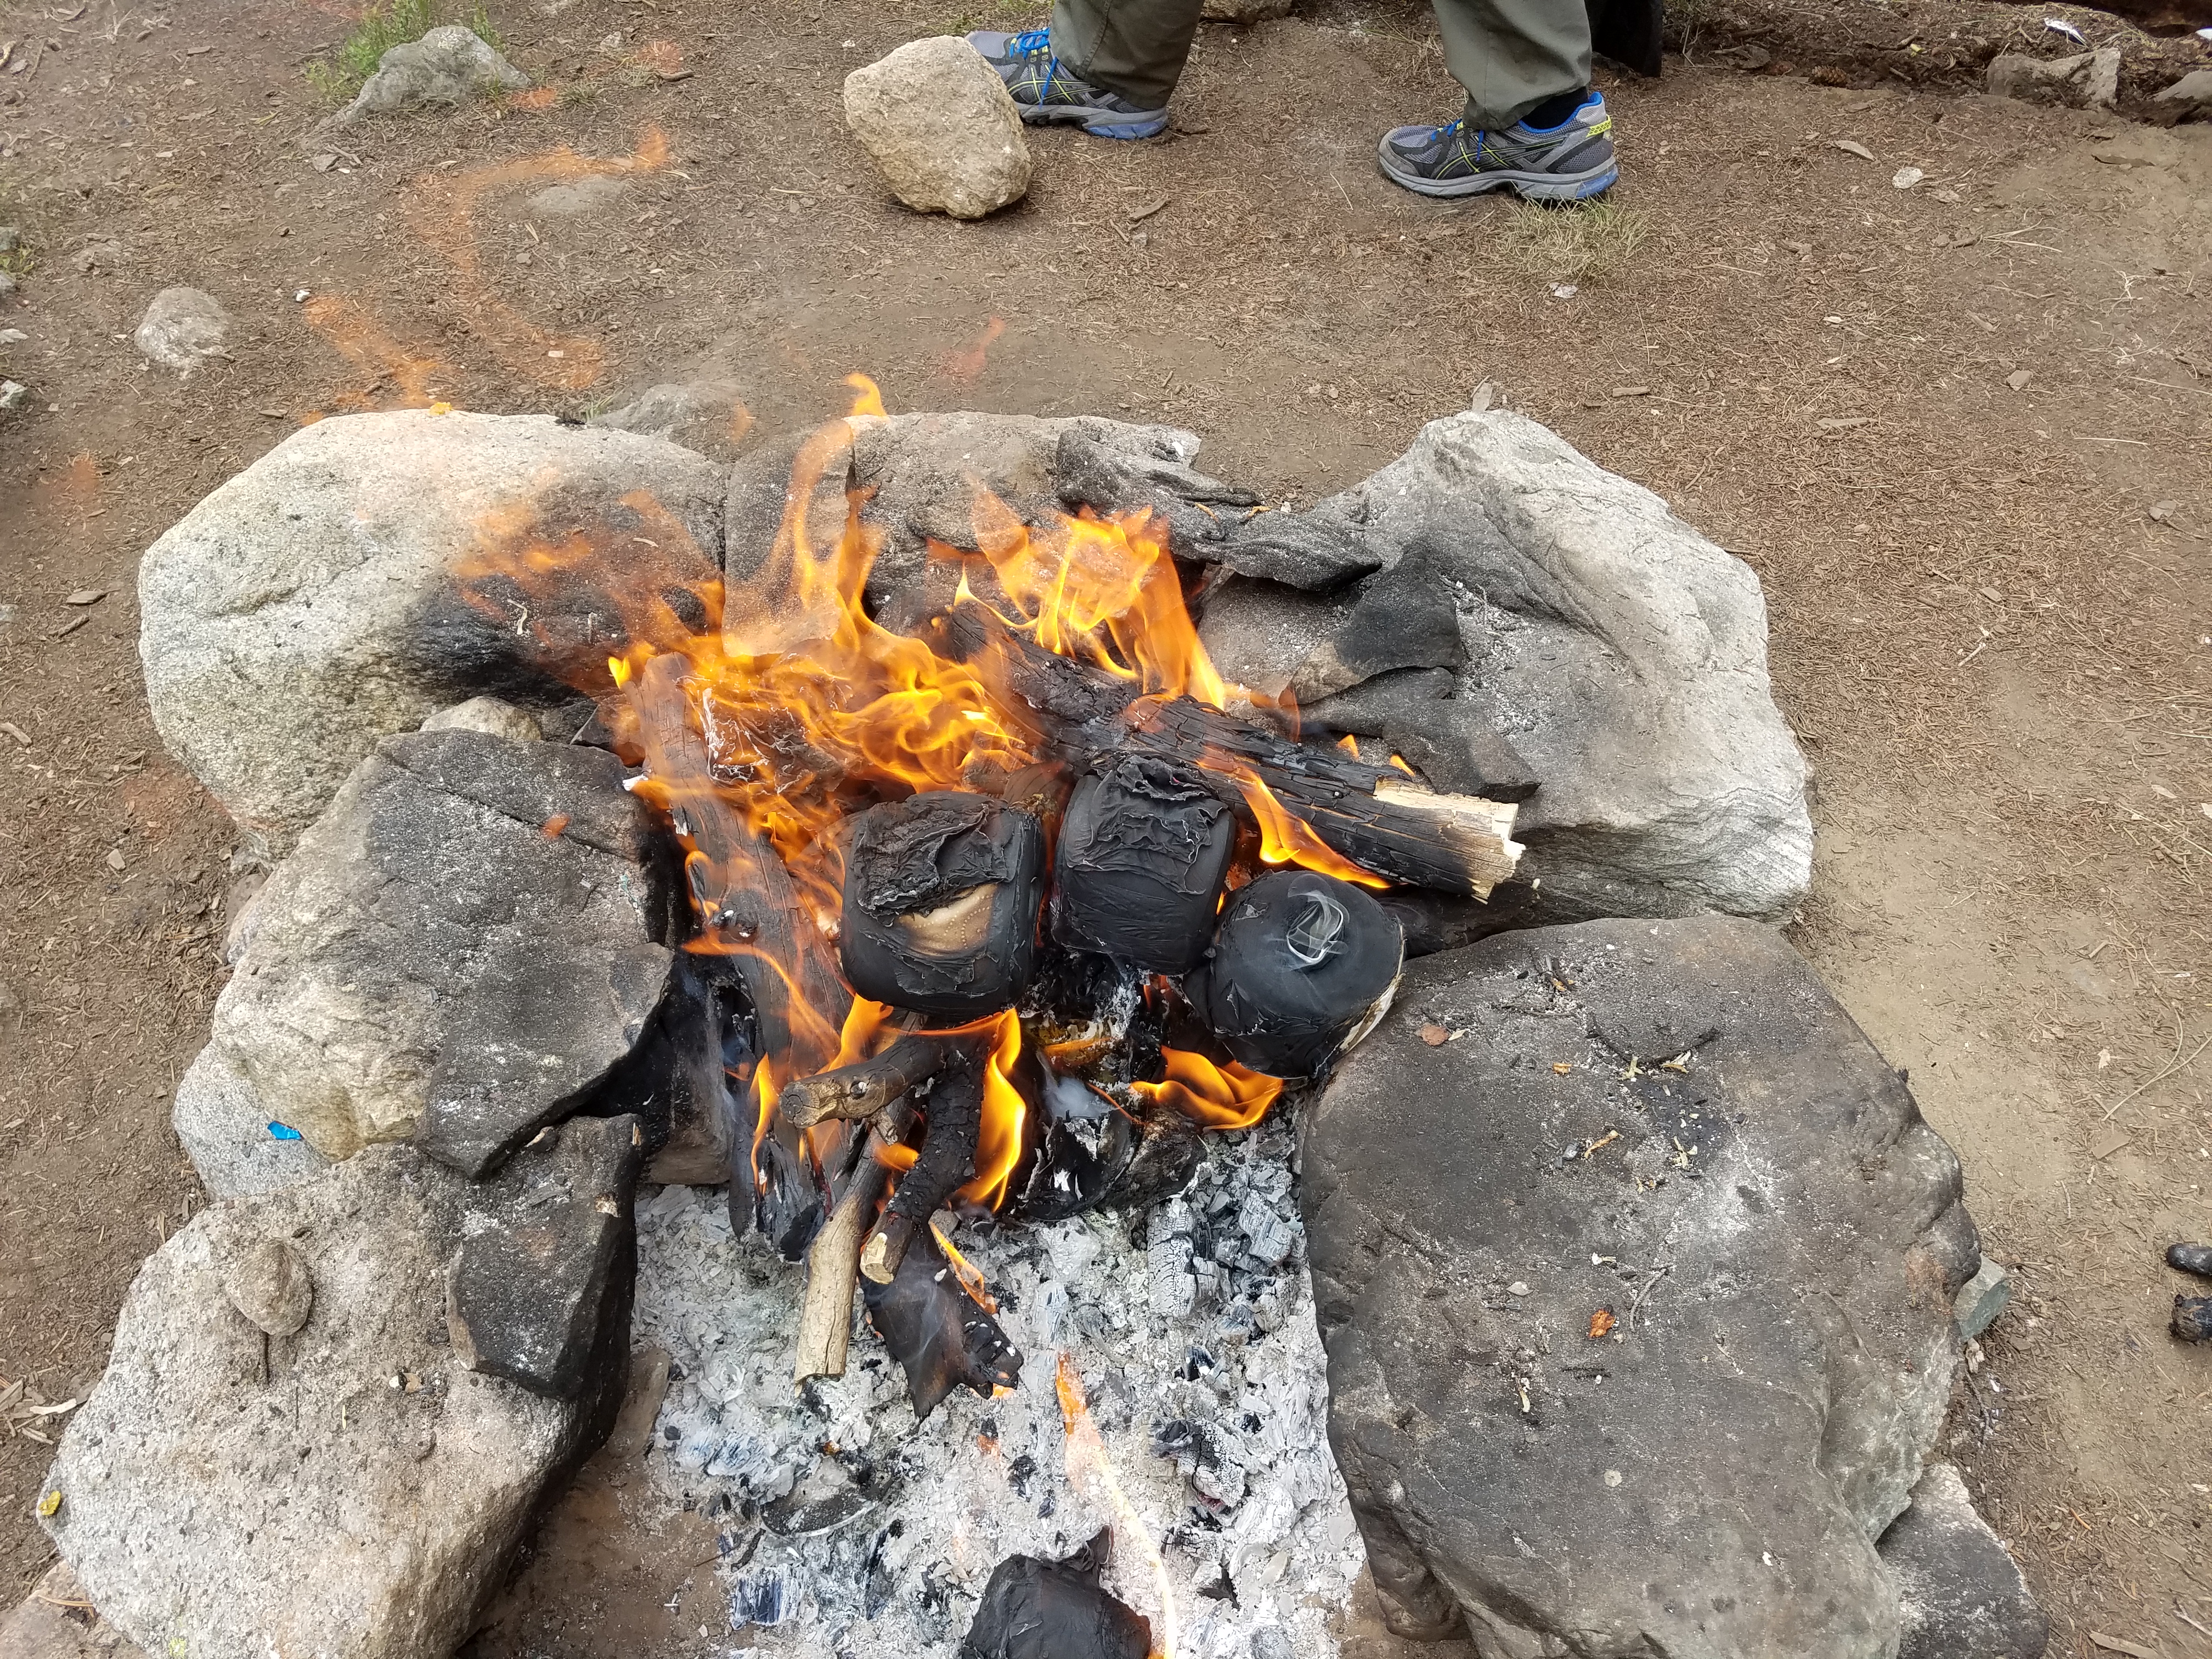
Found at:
[1146, 1057]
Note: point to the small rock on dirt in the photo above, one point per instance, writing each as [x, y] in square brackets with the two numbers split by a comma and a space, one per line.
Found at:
[182, 329]
[2190, 1259]
[14, 394]
[1981, 1299]
[2090, 80]
[447, 67]
[942, 128]
[101, 258]
[585, 196]
[2192, 92]
[707, 415]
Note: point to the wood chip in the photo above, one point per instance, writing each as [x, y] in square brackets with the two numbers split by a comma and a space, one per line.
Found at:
[1562, 1068]
[1602, 1323]
[70, 627]
[1843, 422]
[1435, 1035]
[2108, 1141]
[1149, 209]
[87, 596]
[2113, 1645]
[1631, 392]
[16, 733]
[1852, 147]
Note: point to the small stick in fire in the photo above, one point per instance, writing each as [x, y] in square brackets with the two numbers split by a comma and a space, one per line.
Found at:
[865, 1088]
[937, 1331]
[833, 1263]
[947, 1159]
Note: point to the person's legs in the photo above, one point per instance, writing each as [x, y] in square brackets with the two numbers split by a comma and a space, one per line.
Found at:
[1110, 65]
[1134, 47]
[1513, 55]
[1532, 123]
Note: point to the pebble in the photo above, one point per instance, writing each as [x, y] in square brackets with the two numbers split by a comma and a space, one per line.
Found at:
[1518, 1287]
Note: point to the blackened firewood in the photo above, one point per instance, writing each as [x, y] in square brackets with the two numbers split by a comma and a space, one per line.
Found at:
[937, 1332]
[1375, 817]
[942, 893]
[1037, 1609]
[2190, 1259]
[946, 1161]
[862, 1089]
[1302, 967]
[2192, 1318]
[1142, 853]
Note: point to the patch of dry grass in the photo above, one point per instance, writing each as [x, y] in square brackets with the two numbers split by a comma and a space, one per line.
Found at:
[1576, 244]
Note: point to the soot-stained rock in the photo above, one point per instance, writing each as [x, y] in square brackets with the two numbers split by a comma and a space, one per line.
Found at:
[1033, 1608]
[1446, 731]
[540, 1291]
[1959, 1589]
[351, 1488]
[915, 478]
[1735, 1244]
[465, 947]
[1405, 617]
[309, 606]
[1621, 654]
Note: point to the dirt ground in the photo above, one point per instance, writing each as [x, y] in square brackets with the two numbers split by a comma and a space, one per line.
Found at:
[1962, 431]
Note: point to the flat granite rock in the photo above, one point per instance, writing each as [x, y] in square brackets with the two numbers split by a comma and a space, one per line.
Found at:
[352, 1490]
[1637, 1294]
[465, 947]
[1619, 653]
[309, 606]
[1961, 1592]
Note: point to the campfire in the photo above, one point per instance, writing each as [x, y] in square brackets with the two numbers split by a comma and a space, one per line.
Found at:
[998, 914]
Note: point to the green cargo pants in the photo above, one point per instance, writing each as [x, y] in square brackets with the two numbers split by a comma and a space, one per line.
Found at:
[1510, 55]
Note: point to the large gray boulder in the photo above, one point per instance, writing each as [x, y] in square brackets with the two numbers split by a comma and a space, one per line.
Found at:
[237, 1145]
[1961, 1592]
[450, 65]
[1637, 1294]
[352, 1489]
[940, 126]
[309, 605]
[467, 946]
[1620, 653]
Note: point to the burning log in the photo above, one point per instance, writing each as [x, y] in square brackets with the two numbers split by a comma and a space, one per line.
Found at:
[1143, 852]
[864, 1089]
[1376, 820]
[833, 1264]
[946, 1163]
[1302, 968]
[942, 893]
[931, 1326]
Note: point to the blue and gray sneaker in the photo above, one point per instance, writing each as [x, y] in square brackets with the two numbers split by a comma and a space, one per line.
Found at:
[1565, 163]
[1046, 92]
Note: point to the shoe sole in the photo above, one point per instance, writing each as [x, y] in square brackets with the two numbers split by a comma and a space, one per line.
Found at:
[1529, 186]
[1099, 123]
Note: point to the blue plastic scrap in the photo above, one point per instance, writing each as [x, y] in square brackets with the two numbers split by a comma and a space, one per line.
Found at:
[282, 1132]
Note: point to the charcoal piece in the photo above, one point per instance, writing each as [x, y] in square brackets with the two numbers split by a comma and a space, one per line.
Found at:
[1033, 1608]
[1419, 714]
[1167, 1157]
[946, 1161]
[1302, 966]
[942, 892]
[1405, 618]
[540, 1294]
[1142, 853]
[2192, 1318]
[2190, 1259]
[785, 1204]
[936, 1331]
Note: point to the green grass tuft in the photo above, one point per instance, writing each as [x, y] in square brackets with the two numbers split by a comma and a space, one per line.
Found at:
[386, 24]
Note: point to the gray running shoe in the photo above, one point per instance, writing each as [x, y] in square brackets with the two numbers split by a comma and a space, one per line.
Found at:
[1047, 92]
[1565, 163]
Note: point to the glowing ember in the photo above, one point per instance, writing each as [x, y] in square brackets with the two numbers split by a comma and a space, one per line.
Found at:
[1092, 1473]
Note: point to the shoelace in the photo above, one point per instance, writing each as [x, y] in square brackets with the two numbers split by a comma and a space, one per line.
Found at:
[1030, 43]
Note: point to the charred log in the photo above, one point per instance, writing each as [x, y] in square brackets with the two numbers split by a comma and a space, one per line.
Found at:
[946, 1161]
[1037, 1609]
[942, 893]
[862, 1089]
[1302, 967]
[1377, 817]
[933, 1328]
[833, 1265]
[1142, 853]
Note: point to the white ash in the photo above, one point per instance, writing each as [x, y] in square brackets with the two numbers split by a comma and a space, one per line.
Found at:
[848, 1530]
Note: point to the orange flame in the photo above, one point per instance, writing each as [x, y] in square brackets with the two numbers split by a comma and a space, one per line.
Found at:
[969, 1276]
[999, 1148]
[867, 400]
[1219, 1097]
[1284, 839]
[1092, 1473]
